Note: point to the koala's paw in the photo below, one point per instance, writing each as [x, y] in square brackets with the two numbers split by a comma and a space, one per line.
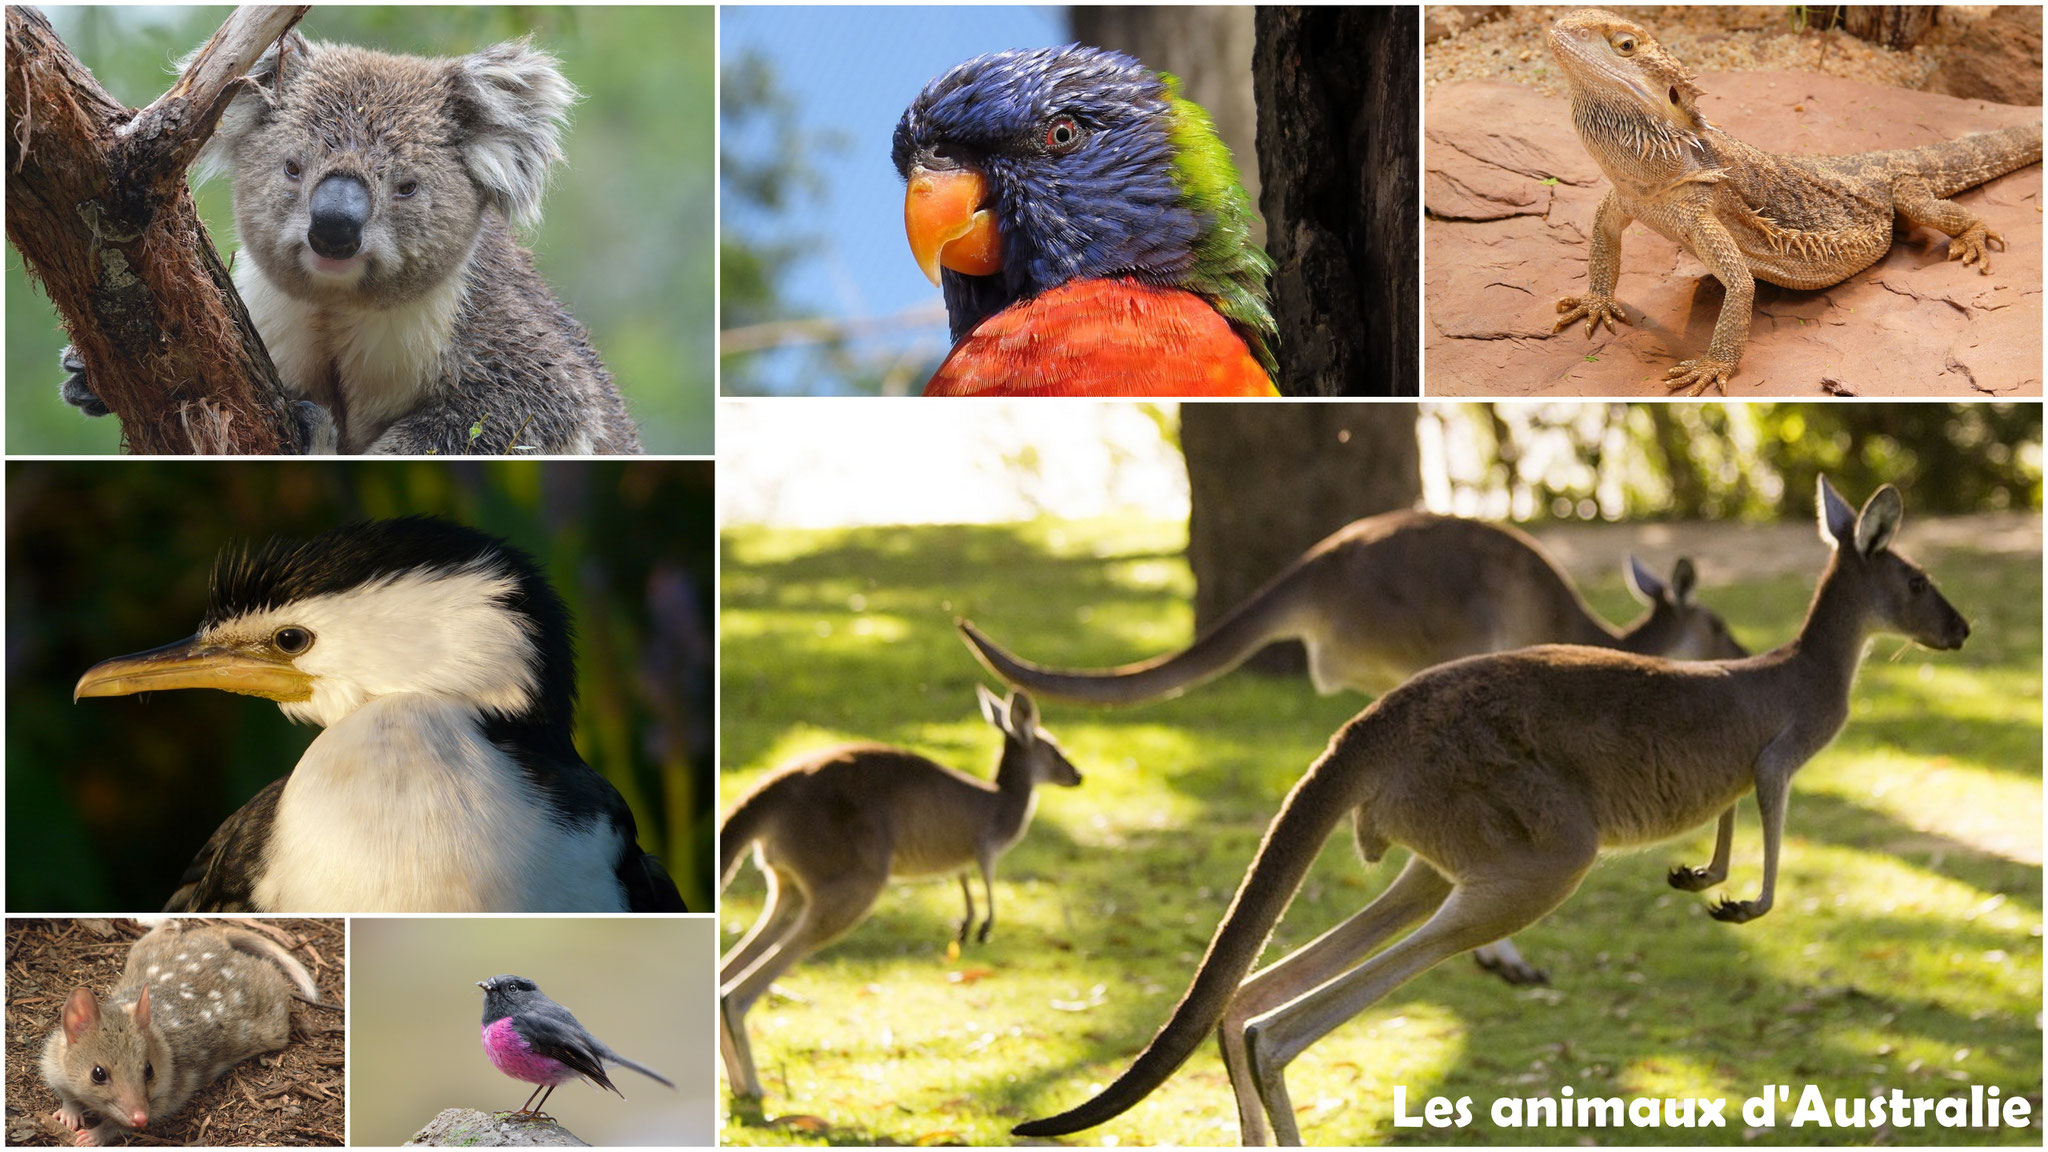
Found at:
[316, 428]
[74, 389]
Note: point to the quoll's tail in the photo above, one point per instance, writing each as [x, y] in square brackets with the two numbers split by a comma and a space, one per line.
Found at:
[1292, 842]
[259, 945]
[1249, 627]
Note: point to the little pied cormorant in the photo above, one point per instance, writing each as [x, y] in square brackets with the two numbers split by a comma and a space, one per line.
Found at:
[439, 662]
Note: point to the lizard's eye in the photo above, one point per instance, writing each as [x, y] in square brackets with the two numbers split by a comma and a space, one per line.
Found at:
[1626, 45]
[1674, 94]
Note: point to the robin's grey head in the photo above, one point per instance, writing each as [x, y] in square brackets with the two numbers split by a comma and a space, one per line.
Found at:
[411, 606]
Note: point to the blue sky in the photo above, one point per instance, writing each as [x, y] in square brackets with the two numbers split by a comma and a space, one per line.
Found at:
[852, 70]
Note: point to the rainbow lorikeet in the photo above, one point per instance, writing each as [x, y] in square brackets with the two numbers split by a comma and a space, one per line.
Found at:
[1088, 229]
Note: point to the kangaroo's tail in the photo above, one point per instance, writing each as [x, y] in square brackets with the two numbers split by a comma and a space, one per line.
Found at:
[1292, 843]
[1250, 626]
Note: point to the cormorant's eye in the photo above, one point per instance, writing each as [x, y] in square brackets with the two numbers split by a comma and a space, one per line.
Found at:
[291, 641]
[292, 171]
[99, 1074]
[1062, 136]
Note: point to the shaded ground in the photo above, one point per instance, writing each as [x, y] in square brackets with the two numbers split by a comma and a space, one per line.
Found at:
[1509, 194]
[291, 1097]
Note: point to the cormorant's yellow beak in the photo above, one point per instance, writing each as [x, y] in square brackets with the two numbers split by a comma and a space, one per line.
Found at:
[189, 663]
[947, 224]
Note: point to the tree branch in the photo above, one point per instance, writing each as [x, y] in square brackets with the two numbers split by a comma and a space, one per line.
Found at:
[98, 207]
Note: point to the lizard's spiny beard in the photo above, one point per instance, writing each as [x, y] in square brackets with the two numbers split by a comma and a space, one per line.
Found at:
[1649, 140]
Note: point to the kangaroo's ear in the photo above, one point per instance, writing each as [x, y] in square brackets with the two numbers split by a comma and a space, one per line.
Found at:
[1684, 581]
[1023, 716]
[1643, 582]
[991, 705]
[1837, 519]
[1879, 521]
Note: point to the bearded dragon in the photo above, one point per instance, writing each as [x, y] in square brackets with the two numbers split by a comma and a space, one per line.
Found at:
[1797, 221]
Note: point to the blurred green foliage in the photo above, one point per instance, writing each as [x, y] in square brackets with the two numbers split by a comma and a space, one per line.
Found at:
[627, 236]
[107, 800]
[1751, 461]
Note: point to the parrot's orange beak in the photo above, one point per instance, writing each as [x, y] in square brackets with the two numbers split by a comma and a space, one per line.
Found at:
[947, 225]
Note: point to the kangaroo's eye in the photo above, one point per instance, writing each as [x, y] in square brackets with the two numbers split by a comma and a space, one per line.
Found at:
[292, 171]
[292, 641]
[1062, 136]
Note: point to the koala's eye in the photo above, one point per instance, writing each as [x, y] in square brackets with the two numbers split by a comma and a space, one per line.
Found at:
[292, 171]
[407, 188]
[291, 641]
[99, 1074]
[1062, 136]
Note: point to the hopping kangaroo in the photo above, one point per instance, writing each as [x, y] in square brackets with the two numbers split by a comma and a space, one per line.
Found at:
[1505, 775]
[1387, 596]
[830, 830]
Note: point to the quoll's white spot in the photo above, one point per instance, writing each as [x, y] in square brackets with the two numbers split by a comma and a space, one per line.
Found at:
[184, 993]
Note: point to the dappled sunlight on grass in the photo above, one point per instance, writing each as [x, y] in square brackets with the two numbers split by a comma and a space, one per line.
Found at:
[1907, 928]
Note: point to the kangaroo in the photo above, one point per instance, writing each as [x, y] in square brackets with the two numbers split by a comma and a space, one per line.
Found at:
[1387, 596]
[1505, 775]
[831, 829]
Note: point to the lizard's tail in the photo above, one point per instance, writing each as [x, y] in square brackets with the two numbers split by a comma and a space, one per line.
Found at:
[1957, 165]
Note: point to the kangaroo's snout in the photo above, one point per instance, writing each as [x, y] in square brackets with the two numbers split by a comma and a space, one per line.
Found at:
[340, 208]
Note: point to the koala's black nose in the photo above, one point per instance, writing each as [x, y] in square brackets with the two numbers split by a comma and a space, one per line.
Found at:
[340, 207]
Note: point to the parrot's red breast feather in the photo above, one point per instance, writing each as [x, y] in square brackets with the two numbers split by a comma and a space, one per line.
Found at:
[1103, 338]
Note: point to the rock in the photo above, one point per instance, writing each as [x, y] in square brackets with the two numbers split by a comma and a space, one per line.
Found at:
[1509, 194]
[469, 1128]
[1440, 21]
[1997, 58]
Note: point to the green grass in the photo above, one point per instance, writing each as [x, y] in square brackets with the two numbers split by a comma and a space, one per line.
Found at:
[1905, 950]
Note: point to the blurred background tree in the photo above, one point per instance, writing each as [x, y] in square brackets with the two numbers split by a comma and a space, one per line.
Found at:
[627, 236]
[107, 805]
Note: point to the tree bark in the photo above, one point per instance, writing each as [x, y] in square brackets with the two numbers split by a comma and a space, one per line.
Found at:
[1209, 47]
[1266, 481]
[1339, 137]
[98, 207]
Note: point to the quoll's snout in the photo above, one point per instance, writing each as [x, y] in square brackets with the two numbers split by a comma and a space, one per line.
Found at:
[340, 207]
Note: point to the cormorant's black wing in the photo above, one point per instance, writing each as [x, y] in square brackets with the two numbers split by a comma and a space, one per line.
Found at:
[222, 878]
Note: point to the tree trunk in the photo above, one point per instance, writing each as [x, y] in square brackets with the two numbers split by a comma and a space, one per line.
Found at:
[1339, 134]
[1898, 26]
[1208, 47]
[98, 207]
[1266, 481]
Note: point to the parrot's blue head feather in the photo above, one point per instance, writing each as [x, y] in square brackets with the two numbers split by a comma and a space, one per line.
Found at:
[1076, 144]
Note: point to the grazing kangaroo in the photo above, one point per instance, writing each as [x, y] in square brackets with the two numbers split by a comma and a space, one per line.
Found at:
[1385, 597]
[830, 830]
[1505, 775]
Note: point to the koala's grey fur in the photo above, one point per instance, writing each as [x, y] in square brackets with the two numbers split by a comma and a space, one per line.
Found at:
[439, 320]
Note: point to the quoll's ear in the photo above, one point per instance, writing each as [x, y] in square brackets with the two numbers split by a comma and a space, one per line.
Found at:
[81, 1014]
[253, 105]
[510, 105]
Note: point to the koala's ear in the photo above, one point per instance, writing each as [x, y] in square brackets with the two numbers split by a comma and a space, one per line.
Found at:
[510, 105]
[252, 106]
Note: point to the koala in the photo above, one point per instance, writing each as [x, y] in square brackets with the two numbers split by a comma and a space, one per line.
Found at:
[375, 197]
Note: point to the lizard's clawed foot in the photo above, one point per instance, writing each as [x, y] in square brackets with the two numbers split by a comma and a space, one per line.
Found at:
[1595, 310]
[1696, 376]
[1974, 247]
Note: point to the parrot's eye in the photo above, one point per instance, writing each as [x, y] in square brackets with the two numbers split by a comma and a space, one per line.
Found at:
[1062, 136]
